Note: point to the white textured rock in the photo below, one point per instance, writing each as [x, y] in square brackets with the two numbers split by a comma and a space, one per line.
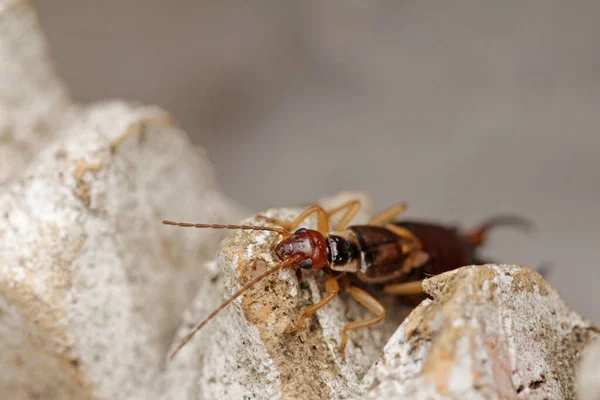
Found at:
[490, 332]
[32, 98]
[588, 378]
[91, 282]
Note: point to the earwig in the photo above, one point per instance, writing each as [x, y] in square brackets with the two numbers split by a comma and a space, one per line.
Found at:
[394, 257]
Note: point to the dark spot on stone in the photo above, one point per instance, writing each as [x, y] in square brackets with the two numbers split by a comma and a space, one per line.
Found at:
[536, 384]
[533, 385]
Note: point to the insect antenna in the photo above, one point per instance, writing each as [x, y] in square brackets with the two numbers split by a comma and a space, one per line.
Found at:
[478, 235]
[247, 286]
[236, 227]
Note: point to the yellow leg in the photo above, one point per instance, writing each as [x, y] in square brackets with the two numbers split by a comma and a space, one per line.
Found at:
[322, 220]
[406, 288]
[332, 286]
[411, 241]
[388, 215]
[367, 301]
[352, 208]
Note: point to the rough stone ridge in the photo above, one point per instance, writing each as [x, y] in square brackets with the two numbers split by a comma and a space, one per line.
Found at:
[493, 332]
[32, 98]
[91, 282]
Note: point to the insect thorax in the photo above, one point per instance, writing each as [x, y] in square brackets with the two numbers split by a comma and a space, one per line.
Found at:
[343, 252]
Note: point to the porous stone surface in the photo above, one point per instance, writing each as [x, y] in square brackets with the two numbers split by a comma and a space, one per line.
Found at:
[588, 377]
[91, 283]
[490, 332]
[32, 99]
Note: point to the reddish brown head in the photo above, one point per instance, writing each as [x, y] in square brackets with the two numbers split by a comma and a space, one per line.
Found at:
[309, 246]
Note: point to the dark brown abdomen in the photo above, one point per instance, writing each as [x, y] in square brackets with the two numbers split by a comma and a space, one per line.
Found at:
[383, 256]
[446, 247]
[447, 250]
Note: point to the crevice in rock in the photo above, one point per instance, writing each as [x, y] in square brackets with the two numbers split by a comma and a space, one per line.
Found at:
[533, 385]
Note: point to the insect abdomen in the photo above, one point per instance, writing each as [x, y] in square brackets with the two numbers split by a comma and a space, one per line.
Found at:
[380, 250]
[446, 247]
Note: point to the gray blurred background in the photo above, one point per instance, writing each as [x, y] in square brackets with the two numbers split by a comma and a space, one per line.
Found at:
[463, 109]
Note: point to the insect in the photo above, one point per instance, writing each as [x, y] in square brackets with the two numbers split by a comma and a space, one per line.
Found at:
[393, 257]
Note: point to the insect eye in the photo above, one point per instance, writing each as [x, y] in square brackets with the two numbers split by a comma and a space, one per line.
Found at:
[301, 230]
[305, 264]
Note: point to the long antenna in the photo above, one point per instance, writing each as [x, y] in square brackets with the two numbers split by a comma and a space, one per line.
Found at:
[478, 235]
[220, 226]
[226, 303]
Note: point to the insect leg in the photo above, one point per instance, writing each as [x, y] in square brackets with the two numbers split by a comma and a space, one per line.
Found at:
[322, 220]
[332, 286]
[367, 301]
[352, 208]
[405, 288]
[388, 215]
[412, 242]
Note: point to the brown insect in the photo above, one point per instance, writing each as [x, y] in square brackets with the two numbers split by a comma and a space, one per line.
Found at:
[393, 257]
